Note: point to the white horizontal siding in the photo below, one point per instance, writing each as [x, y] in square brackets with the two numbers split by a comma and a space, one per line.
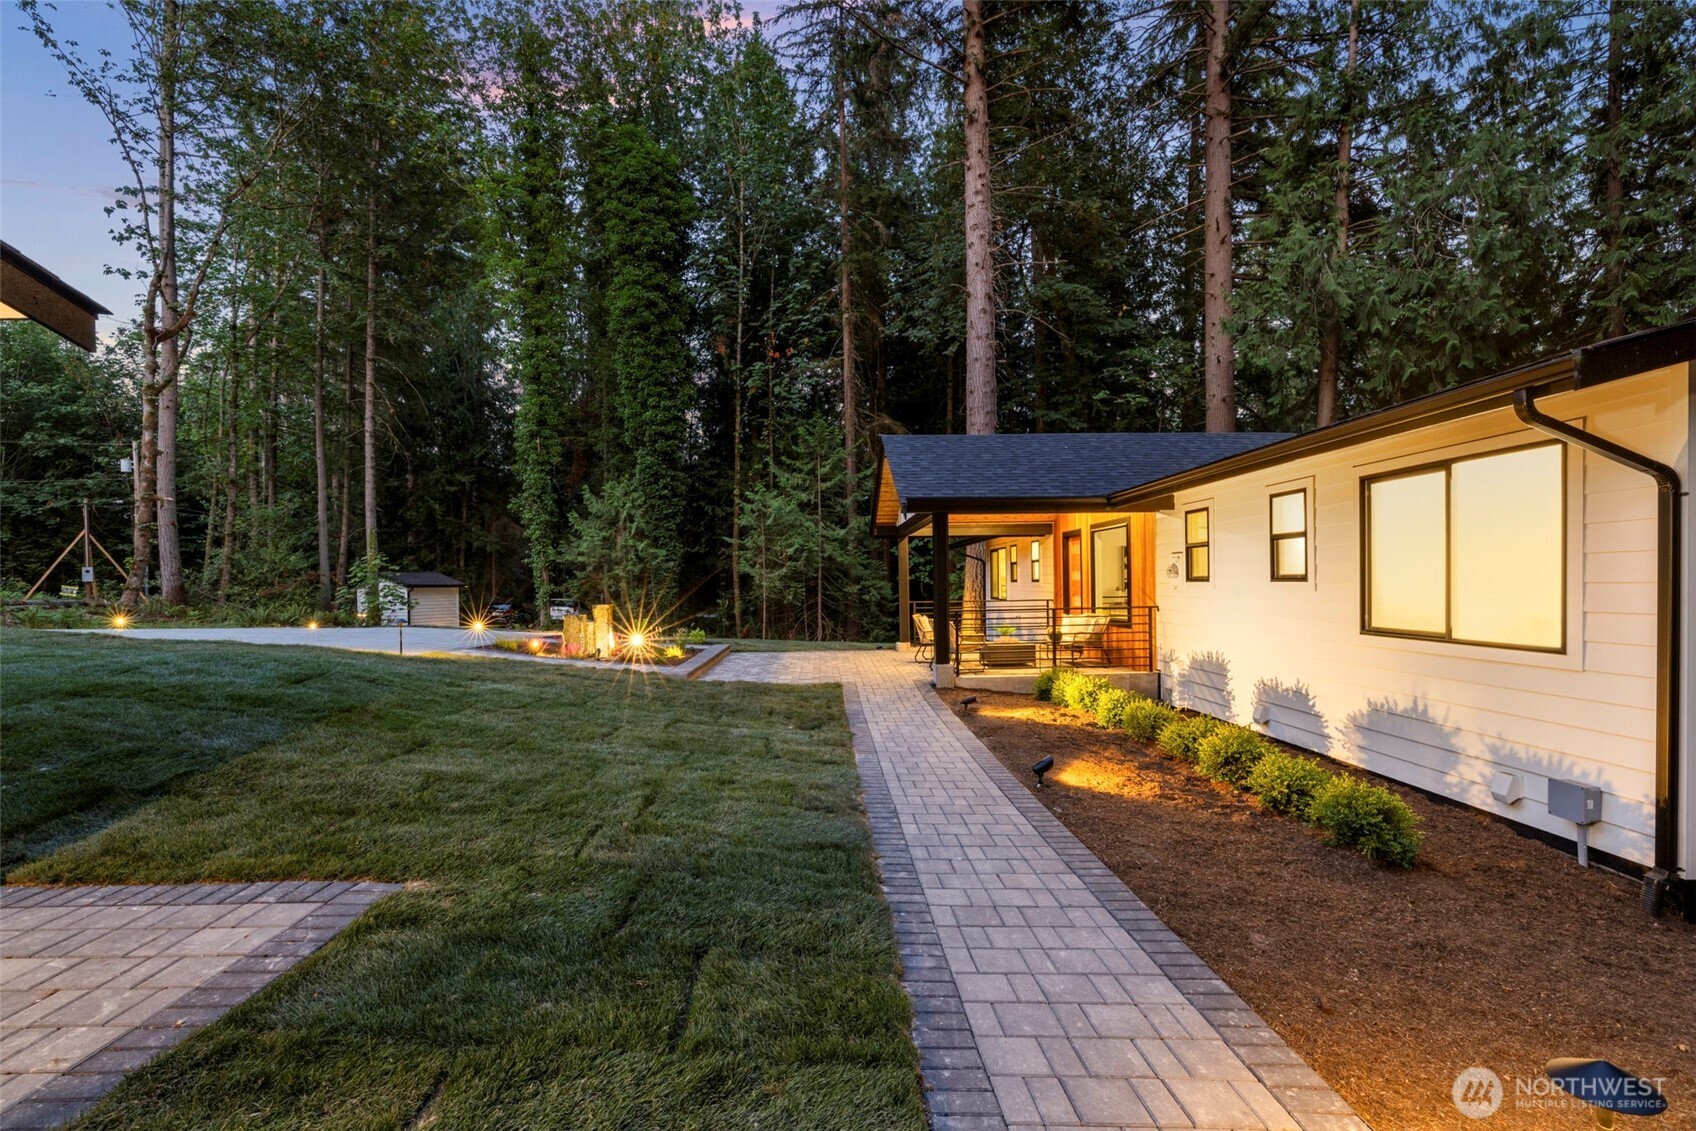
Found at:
[1444, 717]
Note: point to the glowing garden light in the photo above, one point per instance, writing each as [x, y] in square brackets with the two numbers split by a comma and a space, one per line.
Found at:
[120, 620]
[312, 624]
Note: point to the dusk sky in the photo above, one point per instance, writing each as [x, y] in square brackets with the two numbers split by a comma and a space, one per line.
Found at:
[58, 168]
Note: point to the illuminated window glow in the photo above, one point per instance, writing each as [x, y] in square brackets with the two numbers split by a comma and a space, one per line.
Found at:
[1472, 551]
[1036, 561]
[1289, 536]
[1198, 564]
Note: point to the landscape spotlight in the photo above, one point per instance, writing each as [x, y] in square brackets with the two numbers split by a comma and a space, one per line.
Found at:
[119, 620]
[1040, 768]
[535, 644]
[638, 640]
[312, 624]
[966, 703]
[478, 626]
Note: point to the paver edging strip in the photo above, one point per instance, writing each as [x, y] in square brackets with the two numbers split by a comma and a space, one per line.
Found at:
[950, 1065]
[1315, 1104]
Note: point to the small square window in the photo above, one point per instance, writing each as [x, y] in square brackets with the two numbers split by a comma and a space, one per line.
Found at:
[1289, 536]
[1197, 546]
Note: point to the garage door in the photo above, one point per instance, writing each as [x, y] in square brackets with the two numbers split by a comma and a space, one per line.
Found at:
[435, 608]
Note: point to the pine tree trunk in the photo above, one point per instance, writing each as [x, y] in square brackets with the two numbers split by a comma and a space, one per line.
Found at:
[344, 448]
[980, 291]
[850, 362]
[1331, 328]
[232, 467]
[736, 397]
[171, 586]
[370, 429]
[321, 457]
[845, 295]
[980, 232]
[1218, 352]
[1615, 187]
[141, 531]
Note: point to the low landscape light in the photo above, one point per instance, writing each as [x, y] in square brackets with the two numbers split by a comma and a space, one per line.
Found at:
[120, 620]
[638, 640]
[1040, 768]
[312, 624]
[479, 626]
[535, 644]
[967, 703]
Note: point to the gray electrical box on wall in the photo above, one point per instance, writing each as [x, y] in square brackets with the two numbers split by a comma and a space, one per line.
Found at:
[1575, 801]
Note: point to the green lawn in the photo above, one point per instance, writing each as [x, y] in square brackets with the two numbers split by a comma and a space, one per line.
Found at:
[635, 904]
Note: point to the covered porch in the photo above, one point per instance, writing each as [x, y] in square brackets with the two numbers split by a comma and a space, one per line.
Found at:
[1067, 578]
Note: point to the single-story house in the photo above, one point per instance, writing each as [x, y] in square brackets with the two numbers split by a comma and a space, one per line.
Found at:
[1478, 592]
[421, 599]
[30, 291]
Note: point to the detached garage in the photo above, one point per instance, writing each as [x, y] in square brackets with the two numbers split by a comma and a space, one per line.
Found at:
[419, 600]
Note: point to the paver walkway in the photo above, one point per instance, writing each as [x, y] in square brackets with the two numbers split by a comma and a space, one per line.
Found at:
[1045, 994]
[96, 981]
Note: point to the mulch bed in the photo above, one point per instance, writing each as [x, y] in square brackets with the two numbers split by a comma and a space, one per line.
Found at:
[1495, 950]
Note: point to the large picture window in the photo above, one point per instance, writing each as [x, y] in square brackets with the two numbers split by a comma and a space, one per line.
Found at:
[1473, 550]
[1111, 576]
[1289, 536]
[998, 574]
[1198, 564]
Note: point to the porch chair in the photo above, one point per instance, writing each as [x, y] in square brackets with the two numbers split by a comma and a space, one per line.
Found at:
[924, 637]
[1082, 632]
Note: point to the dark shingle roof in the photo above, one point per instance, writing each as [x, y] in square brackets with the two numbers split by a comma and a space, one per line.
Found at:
[1059, 466]
[425, 579]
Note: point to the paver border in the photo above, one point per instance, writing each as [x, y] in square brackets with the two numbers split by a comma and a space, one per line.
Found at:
[950, 1064]
[80, 1086]
[1313, 1103]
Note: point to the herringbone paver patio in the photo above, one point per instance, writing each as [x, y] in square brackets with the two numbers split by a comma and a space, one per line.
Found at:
[1045, 994]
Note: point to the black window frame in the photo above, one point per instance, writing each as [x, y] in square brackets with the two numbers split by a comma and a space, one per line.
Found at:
[1276, 538]
[1447, 636]
[1191, 547]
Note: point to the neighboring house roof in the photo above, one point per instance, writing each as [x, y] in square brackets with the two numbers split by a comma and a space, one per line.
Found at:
[425, 579]
[29, 290]
[1053, 470]
[1585, 368]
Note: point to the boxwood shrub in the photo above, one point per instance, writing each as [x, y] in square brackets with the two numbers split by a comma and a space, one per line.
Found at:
[1110, 707]
[1230, 754]
[1144, 719]
[1079, 691]
[1045, 681]
[1367, 817]
[1180, 737]
[1285, 783]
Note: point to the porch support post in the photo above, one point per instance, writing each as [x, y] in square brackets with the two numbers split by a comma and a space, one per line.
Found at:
[904, 595]
[942, 668]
